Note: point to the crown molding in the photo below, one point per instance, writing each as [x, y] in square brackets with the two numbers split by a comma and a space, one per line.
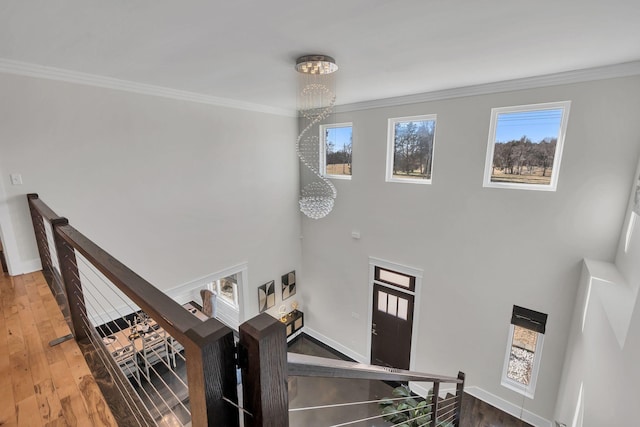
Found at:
[51, 73]
[576, 76]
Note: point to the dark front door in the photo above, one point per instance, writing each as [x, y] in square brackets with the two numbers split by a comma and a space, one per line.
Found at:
[391, 326]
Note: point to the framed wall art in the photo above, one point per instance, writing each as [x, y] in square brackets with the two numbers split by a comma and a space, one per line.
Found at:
[288, 285]
[266, 296]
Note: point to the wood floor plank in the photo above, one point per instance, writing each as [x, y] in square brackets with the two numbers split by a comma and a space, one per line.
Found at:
[19, 361]
[48, 401]
[96, 406]
[7, 408]
[42, 385]
[27, 412]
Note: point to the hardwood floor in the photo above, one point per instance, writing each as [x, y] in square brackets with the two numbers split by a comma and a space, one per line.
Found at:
[42, 385]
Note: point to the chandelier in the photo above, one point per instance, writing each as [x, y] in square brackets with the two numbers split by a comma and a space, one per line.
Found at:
[316, 99]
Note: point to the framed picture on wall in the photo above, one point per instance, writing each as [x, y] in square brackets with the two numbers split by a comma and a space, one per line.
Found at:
[288, 285]
[267, 296]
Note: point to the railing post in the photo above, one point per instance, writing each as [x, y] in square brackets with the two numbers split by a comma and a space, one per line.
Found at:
[264, 371]
[434, 404]
[71, 280]
[459, 392]
[211, 375]
[41, 239]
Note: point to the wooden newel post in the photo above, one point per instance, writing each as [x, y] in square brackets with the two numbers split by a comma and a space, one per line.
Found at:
[263, 359]
[459, 391]
[71, 280]
[41, 239]
[434, 404]
[211, 375]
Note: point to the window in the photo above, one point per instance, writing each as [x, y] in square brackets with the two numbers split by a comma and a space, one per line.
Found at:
[525, 146]
[410, 149]
[524, 350]
[335, 158]
[394, 278]
[226, 289]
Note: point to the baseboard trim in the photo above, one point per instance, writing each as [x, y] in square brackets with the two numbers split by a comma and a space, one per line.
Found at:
[508, 407]
[30, 266]
[336, 345]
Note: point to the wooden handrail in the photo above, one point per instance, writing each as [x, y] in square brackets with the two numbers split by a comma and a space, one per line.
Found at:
[312, 366]
[167, 312]
[45, 211]
[209, 345]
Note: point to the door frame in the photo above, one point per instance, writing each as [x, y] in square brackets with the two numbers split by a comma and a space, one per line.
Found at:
[411, 271]
[9, 243]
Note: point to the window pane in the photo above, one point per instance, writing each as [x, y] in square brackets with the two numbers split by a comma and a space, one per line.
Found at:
[524, 338]
[338, 143]
[413, 149]
[520, 365]
[522, 355]
[382, 301]
[395, 278]
[392, 308]
[228, 288]
[403, 308]
[525, 146]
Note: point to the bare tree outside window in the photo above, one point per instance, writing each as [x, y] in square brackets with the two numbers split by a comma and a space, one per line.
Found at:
[411, 145]
[338, 153]
[525, 146]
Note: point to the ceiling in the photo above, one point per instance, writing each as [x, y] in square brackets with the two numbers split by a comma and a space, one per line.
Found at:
[245, 50]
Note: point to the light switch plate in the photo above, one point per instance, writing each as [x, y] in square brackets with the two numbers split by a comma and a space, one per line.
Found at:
[16, 179]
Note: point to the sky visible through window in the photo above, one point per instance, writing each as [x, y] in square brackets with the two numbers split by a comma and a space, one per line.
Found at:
[536, 125]
[339, 136]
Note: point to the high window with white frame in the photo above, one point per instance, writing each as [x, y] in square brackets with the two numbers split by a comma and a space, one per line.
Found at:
[336, 150]
[226, 288]
[525, 146]
[524, 350]
[410, 149]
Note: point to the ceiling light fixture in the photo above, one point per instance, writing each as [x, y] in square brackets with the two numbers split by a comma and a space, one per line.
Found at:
[316, 64]
[316, 99]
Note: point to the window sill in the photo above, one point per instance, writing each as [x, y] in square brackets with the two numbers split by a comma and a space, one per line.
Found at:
[410, 181]
[228, 304]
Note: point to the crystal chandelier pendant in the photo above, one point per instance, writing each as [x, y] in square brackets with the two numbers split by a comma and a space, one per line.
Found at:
[316, 99]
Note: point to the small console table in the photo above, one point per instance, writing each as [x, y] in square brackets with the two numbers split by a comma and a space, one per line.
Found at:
[293, 321]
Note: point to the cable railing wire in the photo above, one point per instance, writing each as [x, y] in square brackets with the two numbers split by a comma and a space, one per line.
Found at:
[161, 358]
[119, 313]
[160, 413]
[446, 411]
[337, 405]
[101, 354]
[95, 311]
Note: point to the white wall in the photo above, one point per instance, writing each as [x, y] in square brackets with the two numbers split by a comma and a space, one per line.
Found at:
[482, 249]
[176, 190]
[601, 372]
